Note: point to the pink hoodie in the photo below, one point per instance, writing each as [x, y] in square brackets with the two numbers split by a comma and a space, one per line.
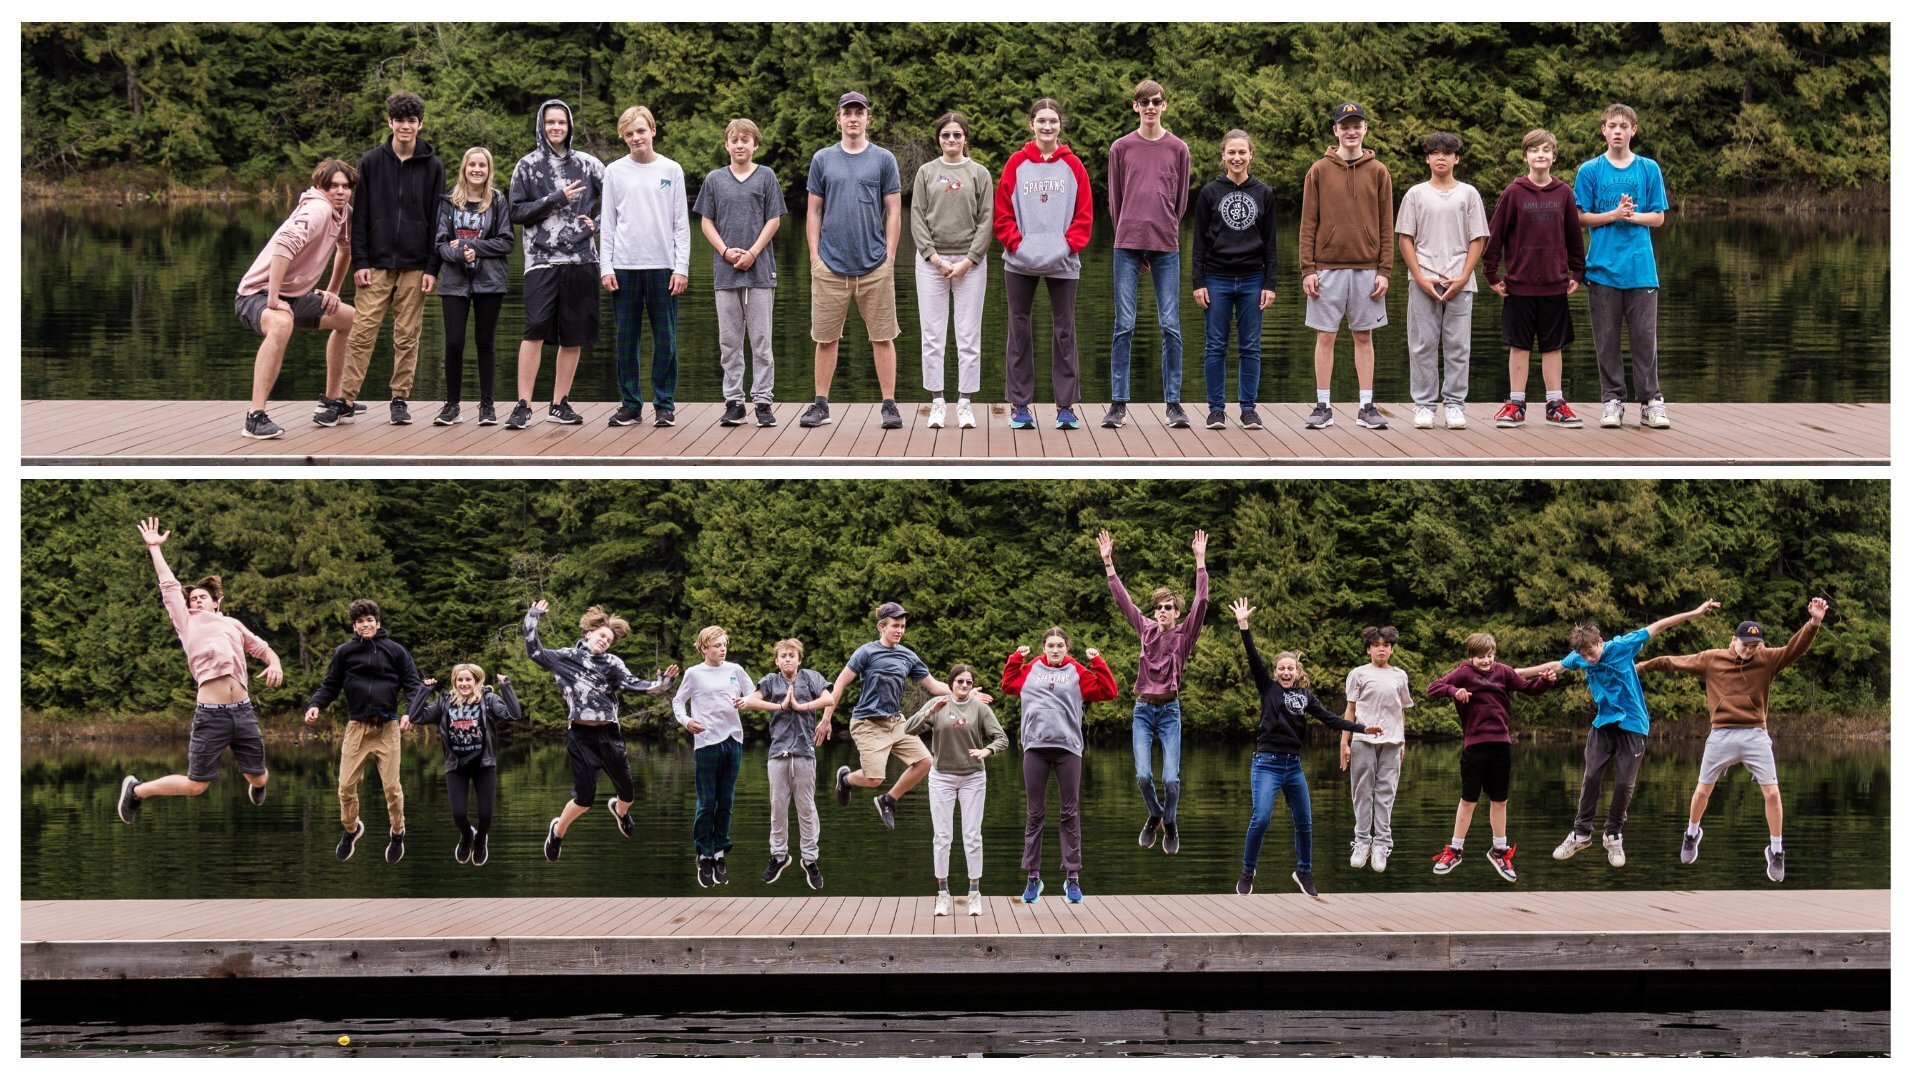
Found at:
[216, 644]
[307, 239]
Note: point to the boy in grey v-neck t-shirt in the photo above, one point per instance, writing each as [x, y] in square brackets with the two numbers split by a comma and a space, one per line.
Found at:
[740, 209]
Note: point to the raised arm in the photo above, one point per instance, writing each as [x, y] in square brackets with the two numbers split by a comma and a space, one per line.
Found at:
[530, 634]
[425, 706]
[511, 703]
[1802, 639]
[1197, 614]
[1096, 679]
[1014, 675]
[1675, 620]
[1118, 590]
[1243, 610]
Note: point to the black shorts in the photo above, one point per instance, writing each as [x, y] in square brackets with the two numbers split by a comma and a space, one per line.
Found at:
[308, 310]
[1487, 767]
[1543, 322]
[217, 727]
[563, 305]
[593, 749]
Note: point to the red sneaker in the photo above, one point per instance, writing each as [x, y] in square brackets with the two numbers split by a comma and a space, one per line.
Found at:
[1559, 412]
[1512, 414]
[1448, 858]
[1502, 860]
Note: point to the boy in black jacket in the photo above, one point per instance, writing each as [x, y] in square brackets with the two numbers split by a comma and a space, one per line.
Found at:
[1285, 704]
[1236, 269]
[376, 677]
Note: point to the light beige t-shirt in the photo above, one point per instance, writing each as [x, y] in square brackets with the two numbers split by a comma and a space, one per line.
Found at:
[1442, 224]
[1380, 695]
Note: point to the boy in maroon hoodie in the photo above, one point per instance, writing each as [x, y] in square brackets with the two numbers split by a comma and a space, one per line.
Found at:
[1482, 692]
[1536, 227]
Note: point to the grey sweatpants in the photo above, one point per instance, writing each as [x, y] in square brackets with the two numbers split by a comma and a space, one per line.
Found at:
[792, 778]
[1434, 328]
[745, 315]
[1374, 778]
[1641, 309]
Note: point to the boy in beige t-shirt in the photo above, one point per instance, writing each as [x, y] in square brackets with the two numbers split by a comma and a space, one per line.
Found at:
[1377, 695]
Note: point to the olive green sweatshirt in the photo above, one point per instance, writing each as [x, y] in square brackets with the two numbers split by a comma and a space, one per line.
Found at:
[952, 210]
[952, 730]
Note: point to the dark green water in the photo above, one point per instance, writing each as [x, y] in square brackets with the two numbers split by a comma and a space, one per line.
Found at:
[1838, 807]
[138, 303]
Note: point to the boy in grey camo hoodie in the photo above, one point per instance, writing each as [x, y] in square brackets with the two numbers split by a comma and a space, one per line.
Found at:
[553, 196]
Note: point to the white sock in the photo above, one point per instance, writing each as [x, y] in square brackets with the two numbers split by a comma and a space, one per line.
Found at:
[1693, 828]
[1324, 397]
[1775, 844]
[939, 401]
[1366, 398]
[1518, 398]
[1500, 842]
[1457, 843]
[1553, 394]
[964, 401]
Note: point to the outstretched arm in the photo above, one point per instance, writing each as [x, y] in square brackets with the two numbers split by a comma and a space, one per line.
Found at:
[1119, 591]
[172, 596]
[1675, 620]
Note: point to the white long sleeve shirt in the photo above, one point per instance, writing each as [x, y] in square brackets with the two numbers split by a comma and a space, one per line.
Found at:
[643, 217]
[706, 694]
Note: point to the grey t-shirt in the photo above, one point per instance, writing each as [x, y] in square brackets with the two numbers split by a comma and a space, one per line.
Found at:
[1442, 224]
[853, 219]
[790, 732]
[740, 209]
[1380, 696]
[883, 673]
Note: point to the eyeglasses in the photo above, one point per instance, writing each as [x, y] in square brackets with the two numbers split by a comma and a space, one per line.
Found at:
[953, 134]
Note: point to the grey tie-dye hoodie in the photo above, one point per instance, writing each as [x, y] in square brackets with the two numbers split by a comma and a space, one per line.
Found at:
[591, 682]
[551, 233]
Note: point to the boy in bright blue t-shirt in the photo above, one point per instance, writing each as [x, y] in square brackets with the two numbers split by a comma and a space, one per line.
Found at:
[1622, 198]
[1620, 725]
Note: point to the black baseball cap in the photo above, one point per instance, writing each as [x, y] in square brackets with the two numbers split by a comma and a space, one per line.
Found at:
[1349, 110]
[854, 97]
[889, 610]
[1749, 632]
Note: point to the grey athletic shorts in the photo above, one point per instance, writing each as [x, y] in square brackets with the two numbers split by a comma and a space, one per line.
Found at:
[308, 310]
[1344, 295]
[216, 727]
[1727, 747]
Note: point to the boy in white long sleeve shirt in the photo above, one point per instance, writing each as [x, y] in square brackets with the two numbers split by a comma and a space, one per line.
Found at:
[645, 243]
[707, 705]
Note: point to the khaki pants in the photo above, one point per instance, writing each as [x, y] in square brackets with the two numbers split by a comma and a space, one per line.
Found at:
[398, 290]
[381, 742]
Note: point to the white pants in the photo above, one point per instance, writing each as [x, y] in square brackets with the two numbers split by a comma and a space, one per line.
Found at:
[969, 293]
[971, 790]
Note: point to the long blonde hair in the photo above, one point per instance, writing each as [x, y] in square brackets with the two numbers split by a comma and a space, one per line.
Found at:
[479, 683]
[463, 192]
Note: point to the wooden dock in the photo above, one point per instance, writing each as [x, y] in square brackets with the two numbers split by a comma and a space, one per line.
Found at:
[1747, 932]
[89, 432]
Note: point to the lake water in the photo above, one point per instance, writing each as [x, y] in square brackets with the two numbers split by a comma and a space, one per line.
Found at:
[1838, 812]
[137, 302]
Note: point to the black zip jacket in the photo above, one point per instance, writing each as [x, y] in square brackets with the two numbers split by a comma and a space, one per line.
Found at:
[488, 232]
[1284, 709]
[396, 207]
[374, 675]
[1233, 232]
[466, 732]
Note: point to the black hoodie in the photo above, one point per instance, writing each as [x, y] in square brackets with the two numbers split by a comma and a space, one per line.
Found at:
[375, 675]
[395, 208]
[1284, 709]
[1233, 232]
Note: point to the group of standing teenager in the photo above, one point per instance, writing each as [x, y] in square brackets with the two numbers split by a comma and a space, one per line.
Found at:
[948, 741]
[624, 229]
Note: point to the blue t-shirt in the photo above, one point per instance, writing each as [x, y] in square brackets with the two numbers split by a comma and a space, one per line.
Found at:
[883, 673]
[1620, 254]
[1614, 683]
[853, 217]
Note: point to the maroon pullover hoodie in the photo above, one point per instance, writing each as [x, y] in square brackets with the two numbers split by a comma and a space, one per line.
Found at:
[1534, 242]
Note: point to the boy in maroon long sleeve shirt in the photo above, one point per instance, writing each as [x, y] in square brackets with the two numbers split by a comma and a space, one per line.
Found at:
[1536, 228]
[1482, 692]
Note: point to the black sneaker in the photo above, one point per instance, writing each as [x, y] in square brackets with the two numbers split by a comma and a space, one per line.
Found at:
[257, 426]
[396, 846]
[889, 415]
[479, 849]
[1150, 832]
[814, 880]
[1116, 416]
[816, 415]
[1304, 879]
[551, 848]
[1176, 416]
[1369, 417]
[763, 415]
[1245, 885]
[257, 794]
[625, 821]
[397, 412]
[719, 869]
[521, 416]
[884, 804]
[449, 415]
[561, 412]
[326, 412]
[842, 791]
[624, 416]
[663, 416]
[351, 412]
[463, 848]
[774, 866]
[1321, 416]
[487, 417]
[349, 838]
[735, 415]
[1250, 419]
[129, 803]
[1216, 419]
[703, 871]
[1170, 837]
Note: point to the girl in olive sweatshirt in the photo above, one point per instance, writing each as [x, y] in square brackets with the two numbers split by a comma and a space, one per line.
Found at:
[962, 732]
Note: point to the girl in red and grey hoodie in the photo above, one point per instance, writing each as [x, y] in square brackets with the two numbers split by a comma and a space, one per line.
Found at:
[1043, 216]
[1053, 690]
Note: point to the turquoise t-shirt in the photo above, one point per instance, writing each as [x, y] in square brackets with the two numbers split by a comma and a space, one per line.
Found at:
[1614, 683]
[1620, 254]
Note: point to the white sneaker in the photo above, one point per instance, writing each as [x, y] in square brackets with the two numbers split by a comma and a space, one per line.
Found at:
[974, 906]
[1654, 414]
[1380, 858]
[1423, 416]
[1359, 858]
[937, 416]
[1573, 843]
[943, 904]
[1456, 417]
[1616, 850]
[966, 415]
[1611, 413]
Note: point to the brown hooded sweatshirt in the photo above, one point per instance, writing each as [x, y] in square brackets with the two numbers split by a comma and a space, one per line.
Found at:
[1737, 689]
[1346, 215]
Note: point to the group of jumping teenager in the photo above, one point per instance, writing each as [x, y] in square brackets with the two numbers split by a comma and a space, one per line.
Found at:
[948, 740]
[624, 229]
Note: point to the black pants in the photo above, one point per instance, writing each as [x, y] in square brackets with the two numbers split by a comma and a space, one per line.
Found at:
[483, 778]
[1626, 750]
[486, 310]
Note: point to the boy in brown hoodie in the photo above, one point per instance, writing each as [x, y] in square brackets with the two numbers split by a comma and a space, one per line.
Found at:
[1739, 679]
[1346, 254]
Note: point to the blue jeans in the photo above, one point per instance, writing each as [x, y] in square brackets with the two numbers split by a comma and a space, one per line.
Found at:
[1229, 298]
[1271, 774]
[1166, 302]
[1160, 722]
[648, 293]
[715, 769]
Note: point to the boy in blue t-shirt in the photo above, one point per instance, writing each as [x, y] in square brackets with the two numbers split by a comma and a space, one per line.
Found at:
[878, 726]
[1620, 726]
[1622, 198]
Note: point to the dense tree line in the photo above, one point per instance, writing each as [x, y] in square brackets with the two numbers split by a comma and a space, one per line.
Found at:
[984, 566]
[1726, 108]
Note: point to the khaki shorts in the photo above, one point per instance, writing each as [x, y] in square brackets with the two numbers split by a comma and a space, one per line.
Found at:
[832, 293]
[875, 739]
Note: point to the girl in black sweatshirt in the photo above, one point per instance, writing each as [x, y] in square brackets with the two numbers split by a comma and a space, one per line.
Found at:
[467, 719]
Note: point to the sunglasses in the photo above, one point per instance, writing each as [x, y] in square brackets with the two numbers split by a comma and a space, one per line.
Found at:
[953, 134]
[1166, 607]
[1156, 102]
